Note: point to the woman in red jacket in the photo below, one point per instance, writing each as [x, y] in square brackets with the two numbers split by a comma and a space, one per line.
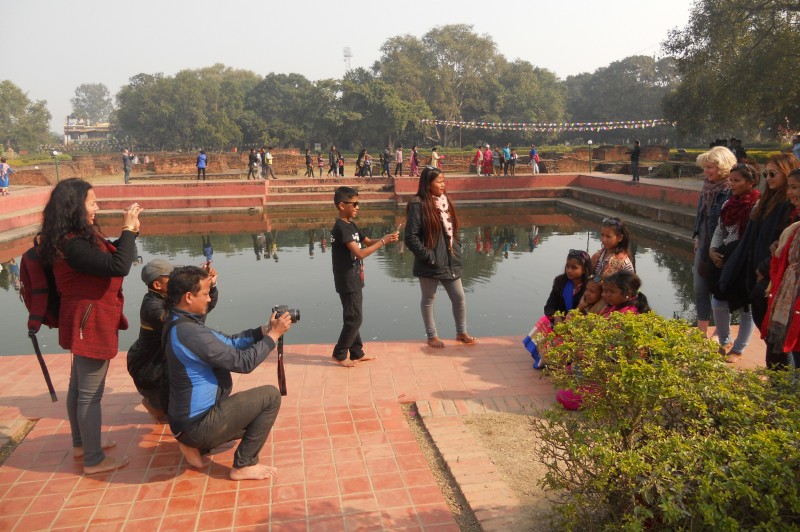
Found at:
[782, 321]
[88, 273]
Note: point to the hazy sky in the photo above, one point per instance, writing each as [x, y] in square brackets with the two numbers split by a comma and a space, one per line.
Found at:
[52, 46]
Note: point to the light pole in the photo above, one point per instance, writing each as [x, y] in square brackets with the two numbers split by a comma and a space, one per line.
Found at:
[55, 157]
[590, 155]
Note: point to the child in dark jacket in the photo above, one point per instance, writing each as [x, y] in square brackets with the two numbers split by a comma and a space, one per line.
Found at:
[566, 293]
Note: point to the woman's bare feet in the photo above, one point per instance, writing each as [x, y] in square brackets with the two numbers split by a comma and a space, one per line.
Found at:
[158, 415]
[193, 456]
[366, 358]
[435, 342]
[253, 472]
[464, 338]
[77, 452]
[109, 463]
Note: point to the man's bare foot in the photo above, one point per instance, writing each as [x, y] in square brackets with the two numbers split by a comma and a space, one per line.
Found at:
[347, 363]
[158, 415]
[109, 463]
[366, 358]
[253, 472]
[193, 456]
[77, 452]
[435, 342]
[464, 338]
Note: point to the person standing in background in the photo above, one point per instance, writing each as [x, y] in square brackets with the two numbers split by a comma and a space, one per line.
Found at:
[435, 157]
[414, 162]
[309, 167]
[385, 161]
[333, 161]
[398, 160]
[202, 162]
[252, 164]
[534, 160]
[506, 158]
[126, 165]
[5, 174]
[635, 152]
[268, 157]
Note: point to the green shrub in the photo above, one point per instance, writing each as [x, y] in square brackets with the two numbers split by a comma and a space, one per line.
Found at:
[669, 436]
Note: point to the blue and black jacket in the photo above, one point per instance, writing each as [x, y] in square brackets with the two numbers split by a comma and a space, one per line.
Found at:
[200, 361]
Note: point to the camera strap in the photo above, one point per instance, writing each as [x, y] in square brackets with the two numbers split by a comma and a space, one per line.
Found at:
[281, 371]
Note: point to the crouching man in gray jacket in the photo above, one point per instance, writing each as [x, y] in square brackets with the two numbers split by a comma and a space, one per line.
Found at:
[202, 412]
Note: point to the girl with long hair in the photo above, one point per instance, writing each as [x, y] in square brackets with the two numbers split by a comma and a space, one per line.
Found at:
[432, 236]
[88, 271]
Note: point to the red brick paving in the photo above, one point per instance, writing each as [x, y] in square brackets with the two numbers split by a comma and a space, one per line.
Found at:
[347, 459]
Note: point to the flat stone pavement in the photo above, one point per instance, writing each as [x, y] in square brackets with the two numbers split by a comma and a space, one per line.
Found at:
[347, 459]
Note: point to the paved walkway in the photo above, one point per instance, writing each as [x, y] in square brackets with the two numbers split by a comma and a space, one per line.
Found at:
[346, 456]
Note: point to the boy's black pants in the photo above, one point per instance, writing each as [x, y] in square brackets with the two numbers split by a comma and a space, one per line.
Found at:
[350, 338]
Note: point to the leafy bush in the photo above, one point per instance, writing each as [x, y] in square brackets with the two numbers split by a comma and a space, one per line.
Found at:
[669, 436]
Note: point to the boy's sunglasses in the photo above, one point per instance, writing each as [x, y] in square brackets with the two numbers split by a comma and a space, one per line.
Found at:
[353, 203]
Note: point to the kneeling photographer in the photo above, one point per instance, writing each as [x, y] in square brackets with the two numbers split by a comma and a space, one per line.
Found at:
[202, 412]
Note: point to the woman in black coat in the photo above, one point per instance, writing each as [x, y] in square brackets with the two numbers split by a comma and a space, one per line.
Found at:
[432, 236]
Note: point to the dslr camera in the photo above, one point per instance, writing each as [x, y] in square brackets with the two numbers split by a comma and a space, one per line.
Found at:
[293, 312]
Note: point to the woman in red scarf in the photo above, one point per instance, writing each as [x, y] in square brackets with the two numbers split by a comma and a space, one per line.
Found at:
[733, 220]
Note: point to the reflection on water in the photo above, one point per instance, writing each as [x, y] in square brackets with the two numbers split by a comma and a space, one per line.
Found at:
[511, 256]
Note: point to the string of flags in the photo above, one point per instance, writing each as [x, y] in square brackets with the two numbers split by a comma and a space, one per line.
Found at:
[552, 127]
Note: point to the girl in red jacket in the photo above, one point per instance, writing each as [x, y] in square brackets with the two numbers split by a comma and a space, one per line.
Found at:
[88, 272]
[782, 321]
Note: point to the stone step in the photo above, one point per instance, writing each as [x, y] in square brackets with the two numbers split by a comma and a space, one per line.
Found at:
[325, 197]
[136, 191]
[237, 174]
[22, 218]
[678, 234]
[658, 211]
[187, 202]
[327, 188]
[356, 182]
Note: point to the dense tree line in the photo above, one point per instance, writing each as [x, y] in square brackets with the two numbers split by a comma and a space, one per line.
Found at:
[730, 72]
[738, 65]
[451, 73]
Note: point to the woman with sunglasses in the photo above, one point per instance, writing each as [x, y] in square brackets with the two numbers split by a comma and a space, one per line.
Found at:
[749, 263]
[735, 214]
[716, 164]
[432, 236]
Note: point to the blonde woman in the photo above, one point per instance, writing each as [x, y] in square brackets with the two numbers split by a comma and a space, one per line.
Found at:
[716, 164]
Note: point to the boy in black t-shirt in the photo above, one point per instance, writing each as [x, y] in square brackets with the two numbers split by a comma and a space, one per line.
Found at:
[348, 273]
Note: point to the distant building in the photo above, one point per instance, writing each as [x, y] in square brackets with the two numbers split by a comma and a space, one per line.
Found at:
[76, 131]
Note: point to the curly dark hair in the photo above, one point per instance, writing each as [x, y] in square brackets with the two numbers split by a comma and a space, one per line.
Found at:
[431, 222]
[64, 215]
